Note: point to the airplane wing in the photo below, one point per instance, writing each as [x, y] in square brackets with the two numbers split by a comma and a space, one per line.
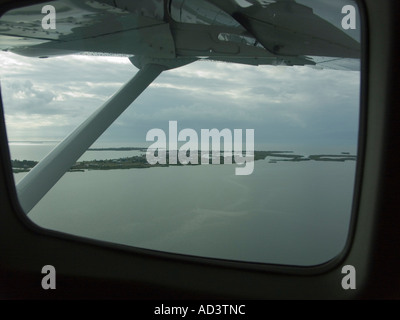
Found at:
[162, 34]
[281, 32]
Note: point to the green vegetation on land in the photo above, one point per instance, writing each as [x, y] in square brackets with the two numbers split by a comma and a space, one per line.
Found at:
[140, 161]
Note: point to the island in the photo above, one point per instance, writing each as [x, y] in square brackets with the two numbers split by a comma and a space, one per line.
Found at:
[140, 161]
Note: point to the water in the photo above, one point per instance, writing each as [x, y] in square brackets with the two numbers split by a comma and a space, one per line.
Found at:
[294, 213]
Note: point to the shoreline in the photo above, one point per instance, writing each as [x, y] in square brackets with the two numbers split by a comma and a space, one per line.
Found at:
[140, 162]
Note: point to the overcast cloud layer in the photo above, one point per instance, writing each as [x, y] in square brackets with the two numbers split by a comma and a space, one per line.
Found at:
[44, 99]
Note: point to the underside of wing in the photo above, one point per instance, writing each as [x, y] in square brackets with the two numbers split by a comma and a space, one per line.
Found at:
[281, 32]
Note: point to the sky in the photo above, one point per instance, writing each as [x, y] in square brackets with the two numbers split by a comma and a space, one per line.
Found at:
[45, 99]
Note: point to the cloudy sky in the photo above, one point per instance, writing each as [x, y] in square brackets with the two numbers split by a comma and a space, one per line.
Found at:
[45, 99]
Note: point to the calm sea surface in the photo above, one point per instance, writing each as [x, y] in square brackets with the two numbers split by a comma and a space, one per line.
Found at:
[293, 213]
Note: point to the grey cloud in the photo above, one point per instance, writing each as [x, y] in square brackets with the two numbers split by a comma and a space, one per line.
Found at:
[279, 102]
[22, 96]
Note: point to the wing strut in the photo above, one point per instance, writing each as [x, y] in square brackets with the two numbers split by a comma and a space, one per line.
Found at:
[49, 170]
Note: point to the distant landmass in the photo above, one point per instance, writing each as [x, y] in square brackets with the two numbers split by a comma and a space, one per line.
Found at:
[119, 149]
[140, 161]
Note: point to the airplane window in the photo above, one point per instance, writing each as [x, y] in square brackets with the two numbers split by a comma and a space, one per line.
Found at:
[231, 138]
